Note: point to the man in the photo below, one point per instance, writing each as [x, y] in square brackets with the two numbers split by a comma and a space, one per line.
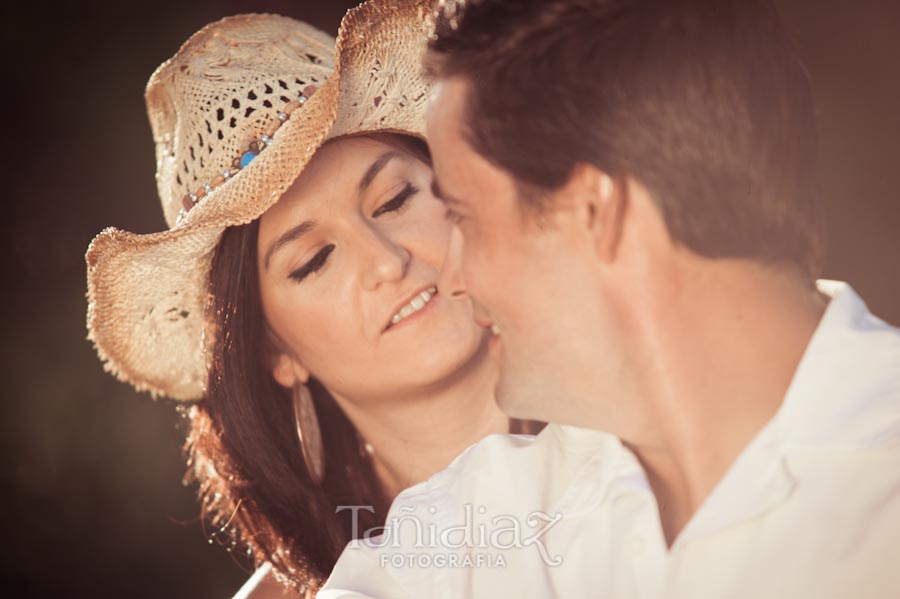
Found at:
[632, 182]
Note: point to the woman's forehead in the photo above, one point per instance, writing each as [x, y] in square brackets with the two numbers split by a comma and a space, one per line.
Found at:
[345, 166]
[336, 179]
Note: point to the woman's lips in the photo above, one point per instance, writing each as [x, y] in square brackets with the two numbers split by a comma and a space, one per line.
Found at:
[427, 309]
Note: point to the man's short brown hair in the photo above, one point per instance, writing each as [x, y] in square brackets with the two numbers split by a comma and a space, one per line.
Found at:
[705, 102]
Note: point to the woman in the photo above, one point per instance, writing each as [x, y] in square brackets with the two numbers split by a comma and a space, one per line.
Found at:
[295, 299]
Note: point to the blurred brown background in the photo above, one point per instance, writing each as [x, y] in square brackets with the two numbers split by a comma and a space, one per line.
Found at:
[91, 470]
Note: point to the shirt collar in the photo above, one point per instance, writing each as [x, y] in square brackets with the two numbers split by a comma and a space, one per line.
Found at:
[845, 390]
[845, 393]
[614, 469]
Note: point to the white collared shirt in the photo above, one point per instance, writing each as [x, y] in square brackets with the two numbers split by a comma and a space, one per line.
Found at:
[810, 508]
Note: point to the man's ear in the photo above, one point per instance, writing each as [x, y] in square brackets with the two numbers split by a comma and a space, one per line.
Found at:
[601, 202]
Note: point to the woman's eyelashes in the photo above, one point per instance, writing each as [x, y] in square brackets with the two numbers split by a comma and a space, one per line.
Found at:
[398, 202]
[395, 204]
[314, 265]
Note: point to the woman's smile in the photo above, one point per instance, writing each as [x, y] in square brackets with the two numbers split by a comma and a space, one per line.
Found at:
[421, 305]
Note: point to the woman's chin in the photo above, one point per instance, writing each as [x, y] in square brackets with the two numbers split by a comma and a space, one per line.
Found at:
[449, 359]
[444, 357]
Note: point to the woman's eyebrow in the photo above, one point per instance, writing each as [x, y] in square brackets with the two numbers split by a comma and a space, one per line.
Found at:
[375, 168]
[289, 236]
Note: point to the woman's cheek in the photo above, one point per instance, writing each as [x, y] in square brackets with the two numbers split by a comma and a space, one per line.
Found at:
[434, 225]
[323, 342]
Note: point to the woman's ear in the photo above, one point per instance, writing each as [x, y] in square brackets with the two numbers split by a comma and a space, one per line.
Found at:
[288, 371]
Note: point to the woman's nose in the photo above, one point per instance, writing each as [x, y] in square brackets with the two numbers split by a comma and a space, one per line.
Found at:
[384, 259]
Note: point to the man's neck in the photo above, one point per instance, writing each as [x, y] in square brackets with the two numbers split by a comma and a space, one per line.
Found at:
[725, 346]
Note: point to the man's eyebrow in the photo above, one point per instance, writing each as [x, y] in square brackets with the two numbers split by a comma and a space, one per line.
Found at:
[289, 236]
[436, 190]
[375, 168]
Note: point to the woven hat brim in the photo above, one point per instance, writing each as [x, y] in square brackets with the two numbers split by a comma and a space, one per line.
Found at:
[147, 294]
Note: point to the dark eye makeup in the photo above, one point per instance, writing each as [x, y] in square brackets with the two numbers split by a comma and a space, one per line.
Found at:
[398, 201]
[395, 204]
[317, 262]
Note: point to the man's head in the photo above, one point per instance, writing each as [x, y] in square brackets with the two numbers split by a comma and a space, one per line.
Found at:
[582, 142]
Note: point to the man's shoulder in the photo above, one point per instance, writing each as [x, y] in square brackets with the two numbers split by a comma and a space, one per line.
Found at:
[846, 390]
[509, 470]
[504, 492]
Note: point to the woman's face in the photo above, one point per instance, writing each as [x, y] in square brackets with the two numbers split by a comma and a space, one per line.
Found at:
[349, 260]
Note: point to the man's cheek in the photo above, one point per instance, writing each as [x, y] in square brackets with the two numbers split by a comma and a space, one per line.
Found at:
[472, 272]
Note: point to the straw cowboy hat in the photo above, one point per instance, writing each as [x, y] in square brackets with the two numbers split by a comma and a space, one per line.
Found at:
[237, 114]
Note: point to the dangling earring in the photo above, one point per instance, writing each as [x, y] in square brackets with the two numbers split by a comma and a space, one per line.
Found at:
[309, 433]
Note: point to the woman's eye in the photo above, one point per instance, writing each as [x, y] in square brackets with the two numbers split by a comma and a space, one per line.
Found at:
[398, 201]
[317, 262]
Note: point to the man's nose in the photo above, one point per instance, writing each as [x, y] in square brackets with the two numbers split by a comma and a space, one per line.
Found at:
[450, 282]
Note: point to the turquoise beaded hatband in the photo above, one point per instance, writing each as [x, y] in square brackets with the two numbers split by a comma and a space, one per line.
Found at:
[254, 147]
